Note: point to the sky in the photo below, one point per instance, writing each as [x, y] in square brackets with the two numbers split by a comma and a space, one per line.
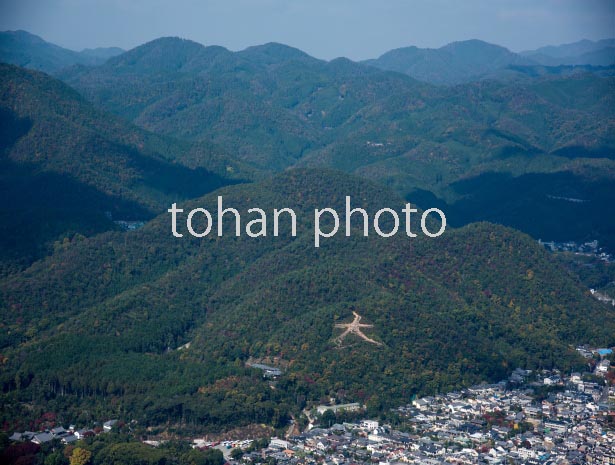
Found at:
[357, 29]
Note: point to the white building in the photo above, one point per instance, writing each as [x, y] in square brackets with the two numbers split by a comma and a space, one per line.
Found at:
[369, 424]
[339, 408]
[278, 443]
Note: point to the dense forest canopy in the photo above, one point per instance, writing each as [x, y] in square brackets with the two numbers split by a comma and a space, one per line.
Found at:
[99, 322]
[448, 311]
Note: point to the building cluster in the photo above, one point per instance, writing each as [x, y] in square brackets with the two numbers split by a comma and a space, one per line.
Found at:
[543, 417]
[590, 248]
[531, 418]
[59, 433]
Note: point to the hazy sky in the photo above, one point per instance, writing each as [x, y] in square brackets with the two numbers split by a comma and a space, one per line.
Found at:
[356, 29]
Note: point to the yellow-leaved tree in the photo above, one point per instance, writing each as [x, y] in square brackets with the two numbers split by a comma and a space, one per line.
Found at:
[80, 456]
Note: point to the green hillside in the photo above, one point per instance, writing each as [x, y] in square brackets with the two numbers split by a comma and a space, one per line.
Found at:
[510, 154]
[268, 104]
[470, 305]
[274, 106]
[67, 167]
[98, 322]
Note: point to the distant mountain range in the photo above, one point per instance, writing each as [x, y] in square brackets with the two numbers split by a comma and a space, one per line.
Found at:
[30, 51]
[454, 63]
[273, 107]
[469, 60]
[584, 52]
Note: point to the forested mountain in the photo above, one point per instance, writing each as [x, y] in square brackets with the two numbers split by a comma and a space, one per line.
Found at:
[267, 104]
[584, 52]
[521, 155]
[96, 321]
[454, 63]
[67, 167]
[446, 312]
[463, 146]
[30, 51]
[471, 60]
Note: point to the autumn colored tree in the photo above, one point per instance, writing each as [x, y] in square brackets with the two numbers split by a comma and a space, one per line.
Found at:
[80, 456]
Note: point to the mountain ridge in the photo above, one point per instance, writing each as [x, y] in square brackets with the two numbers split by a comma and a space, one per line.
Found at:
[583, 52]
[298, 111]
[24, 49]
[146, 293]
[69, 167]
[454, 63]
